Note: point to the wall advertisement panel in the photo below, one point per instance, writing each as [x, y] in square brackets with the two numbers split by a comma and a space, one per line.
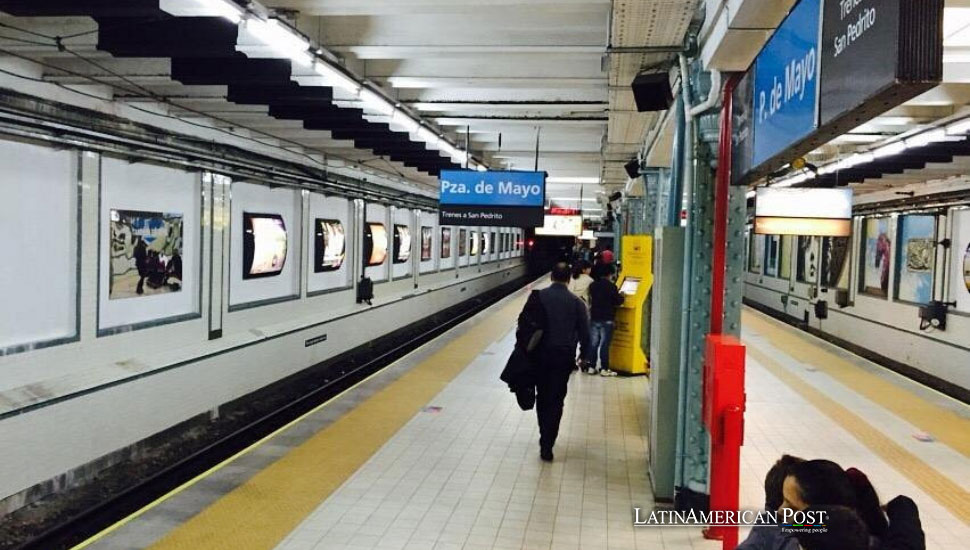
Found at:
[876, 257]
[916, 258]
[377, 241]
[960, 261]
[266, 231]
[330, 253]
[150, 245]
[39, 223]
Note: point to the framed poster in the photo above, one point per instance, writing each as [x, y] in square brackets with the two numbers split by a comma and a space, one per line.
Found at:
[264, 245]
[329, 245]
[402, 244]
[146, 253]
[375, 244]
[445, 243]
[876, 256]
[150, 246]
[427, 238]
[916, 261]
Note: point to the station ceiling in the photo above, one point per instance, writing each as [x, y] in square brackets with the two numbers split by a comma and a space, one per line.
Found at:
[495, 75]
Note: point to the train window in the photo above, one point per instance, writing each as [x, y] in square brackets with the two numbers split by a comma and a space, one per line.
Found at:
[771, 266]
[835, 262]
[915, 258]
[474, 244]
[445, 243]
[806, 260]
[463, 242]
[756, 254]
[784, 254]
[876, 256]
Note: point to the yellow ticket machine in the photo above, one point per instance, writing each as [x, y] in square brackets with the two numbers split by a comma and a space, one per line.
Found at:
[635, 282]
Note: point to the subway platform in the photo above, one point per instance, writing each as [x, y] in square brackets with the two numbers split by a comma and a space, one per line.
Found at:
[433, 453]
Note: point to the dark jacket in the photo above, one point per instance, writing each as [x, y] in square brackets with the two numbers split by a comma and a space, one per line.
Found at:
[567, 323]
[604, 298]
[768, 537]
[905, 529]
[520, 370]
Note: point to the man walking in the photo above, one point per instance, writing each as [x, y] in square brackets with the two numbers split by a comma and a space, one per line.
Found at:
[566, 325]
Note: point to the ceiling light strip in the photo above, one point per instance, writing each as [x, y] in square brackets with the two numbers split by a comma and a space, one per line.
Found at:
[288, 42]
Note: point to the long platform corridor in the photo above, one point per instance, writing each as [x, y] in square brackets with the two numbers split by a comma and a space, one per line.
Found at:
[433, 453]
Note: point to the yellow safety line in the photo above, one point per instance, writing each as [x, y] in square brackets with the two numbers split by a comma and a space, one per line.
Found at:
[942, 489]
[121, 523]
[267, 507]
[944, 424]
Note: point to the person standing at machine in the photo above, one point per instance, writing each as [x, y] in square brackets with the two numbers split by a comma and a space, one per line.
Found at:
[566, 326]
[604, 299]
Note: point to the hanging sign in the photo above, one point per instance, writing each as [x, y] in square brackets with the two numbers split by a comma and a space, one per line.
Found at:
[787, 211]
[831, 66]
[786, 83]
[505, 199]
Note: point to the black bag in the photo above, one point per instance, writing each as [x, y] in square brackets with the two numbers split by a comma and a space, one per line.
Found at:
[365, 291]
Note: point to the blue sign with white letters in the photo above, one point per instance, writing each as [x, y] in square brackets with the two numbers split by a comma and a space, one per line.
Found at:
[493, 188]
[786, 83]
[506, 199]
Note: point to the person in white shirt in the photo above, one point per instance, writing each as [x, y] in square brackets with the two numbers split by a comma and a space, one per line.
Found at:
[580, 281]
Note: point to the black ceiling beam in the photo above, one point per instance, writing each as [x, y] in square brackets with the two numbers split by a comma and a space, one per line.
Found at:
[65, 8]
[168, 37]
[237, 69]
[290, 94]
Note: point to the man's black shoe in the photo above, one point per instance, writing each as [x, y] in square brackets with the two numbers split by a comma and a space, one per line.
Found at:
[545, 455]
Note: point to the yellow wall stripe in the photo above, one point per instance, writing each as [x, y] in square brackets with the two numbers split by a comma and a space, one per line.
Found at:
[265, 509]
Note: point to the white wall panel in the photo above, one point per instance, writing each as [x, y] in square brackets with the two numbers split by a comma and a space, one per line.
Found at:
[149, 188]
[960, 261]
[329, 208]
[39, 244]
[260, 199]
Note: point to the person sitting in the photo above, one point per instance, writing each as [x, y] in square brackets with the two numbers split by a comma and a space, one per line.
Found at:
[843, 530]
[803, 483]
[771, 537]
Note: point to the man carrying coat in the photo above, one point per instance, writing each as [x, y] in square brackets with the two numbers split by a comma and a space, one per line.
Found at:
[566, 325]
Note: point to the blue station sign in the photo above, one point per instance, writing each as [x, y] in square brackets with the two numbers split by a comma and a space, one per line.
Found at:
[496, 198]
[786, 83]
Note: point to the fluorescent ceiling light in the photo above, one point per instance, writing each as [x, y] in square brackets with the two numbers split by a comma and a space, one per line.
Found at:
[926, 138]
[336, 78]
[374, 102]
[959, 127]
[427, 136]
[222, 8]
[890, 150]
[481, 168]
[279, 37]
[577, 180]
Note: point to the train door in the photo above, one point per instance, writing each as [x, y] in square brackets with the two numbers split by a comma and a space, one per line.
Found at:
[804, 256]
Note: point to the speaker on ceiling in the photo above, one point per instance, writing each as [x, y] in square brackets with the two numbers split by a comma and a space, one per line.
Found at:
[632, 168]
[652, 92]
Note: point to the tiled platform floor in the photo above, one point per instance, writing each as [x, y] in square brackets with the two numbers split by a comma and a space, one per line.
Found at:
[468, 476]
